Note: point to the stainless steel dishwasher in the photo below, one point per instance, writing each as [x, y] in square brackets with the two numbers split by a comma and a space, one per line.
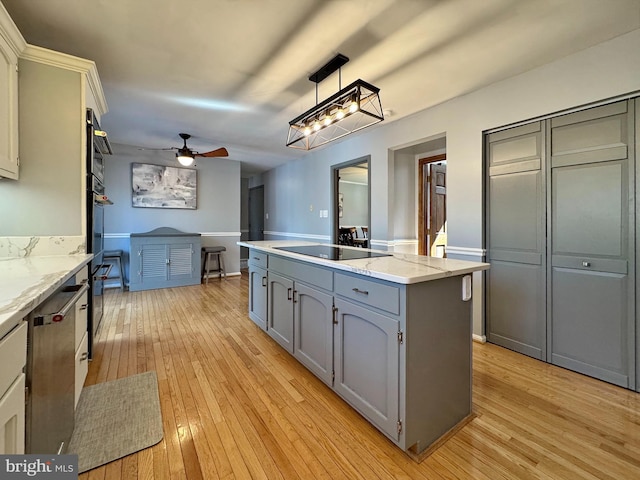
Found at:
[51, 371]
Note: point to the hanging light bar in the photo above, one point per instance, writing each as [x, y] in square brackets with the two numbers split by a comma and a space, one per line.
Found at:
[353, 108]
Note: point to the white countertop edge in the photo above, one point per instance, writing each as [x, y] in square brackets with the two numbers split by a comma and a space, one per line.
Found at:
[26, 282]
[398, 268]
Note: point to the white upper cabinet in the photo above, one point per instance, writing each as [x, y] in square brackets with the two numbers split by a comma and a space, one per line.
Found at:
[11, 46]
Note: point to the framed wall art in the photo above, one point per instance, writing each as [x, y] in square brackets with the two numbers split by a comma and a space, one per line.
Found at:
[160, 186]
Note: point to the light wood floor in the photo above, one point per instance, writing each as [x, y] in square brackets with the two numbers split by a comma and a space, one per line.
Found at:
[236, 405]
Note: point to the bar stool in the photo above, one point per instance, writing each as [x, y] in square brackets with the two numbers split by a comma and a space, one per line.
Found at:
[209, 253]
[115, 257]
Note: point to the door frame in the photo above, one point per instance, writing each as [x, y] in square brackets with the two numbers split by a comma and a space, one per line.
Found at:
[423, 249]
[335, 178]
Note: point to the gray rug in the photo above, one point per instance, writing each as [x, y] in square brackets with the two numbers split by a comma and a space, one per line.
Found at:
[115, 419]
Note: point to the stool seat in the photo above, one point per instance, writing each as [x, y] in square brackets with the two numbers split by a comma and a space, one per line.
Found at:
[115, 257]
[214, 249]
[208, 253]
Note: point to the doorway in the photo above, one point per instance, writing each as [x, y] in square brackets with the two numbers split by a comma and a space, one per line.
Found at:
[432, 206]
[256, 213]
[351, 203]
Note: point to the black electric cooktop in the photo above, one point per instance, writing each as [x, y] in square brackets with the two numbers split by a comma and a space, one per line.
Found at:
[332, 253]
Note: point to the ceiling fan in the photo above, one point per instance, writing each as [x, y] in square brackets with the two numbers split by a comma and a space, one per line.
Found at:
[186, 156]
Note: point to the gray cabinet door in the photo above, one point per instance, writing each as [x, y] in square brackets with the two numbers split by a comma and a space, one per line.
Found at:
[258, 296]
[181, 262]
[313, 328]
[516, 304]
[367, 364]
[280, 311]
[592, 314]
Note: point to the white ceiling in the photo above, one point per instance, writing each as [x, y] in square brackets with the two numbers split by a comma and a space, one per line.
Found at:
[234, 72]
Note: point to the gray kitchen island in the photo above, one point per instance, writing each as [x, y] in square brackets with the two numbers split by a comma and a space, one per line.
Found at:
[389, 333]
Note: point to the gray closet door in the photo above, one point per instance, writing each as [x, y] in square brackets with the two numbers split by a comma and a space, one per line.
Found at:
[591, 280]
[516, 291]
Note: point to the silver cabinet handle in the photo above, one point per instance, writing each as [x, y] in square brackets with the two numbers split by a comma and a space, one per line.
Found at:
[289, 291]
[363, 292]
[264, 281]
[84, 356]
[586, 264]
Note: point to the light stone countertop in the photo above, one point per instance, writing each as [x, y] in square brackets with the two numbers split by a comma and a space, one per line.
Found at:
[26, 282]
[398, 268]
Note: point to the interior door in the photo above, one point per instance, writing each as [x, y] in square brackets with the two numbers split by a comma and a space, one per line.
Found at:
[592, 314]
[516, 281]
[256, 213]
[437, 208]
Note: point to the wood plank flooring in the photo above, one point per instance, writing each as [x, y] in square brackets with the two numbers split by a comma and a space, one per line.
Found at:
[237, 406]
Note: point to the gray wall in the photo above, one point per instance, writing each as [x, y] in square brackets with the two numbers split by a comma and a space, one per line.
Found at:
[217, 216]
[405, 199]
[355, 206]
[48, 197]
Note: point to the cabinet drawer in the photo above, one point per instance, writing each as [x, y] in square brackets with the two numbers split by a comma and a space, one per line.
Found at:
[82, 366]
[384, 297]
[317, 276]
[82, 276]
[13, 356]
[258, 259]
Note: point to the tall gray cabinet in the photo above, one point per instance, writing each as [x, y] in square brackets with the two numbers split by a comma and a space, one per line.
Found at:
[561, 241]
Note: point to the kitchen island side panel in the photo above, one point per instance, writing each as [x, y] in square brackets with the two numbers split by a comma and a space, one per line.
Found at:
[438, 355]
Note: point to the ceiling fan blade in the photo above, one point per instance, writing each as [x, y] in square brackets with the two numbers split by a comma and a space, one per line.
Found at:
[219, 152]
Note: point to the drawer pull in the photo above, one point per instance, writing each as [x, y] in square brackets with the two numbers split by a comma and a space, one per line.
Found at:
[586, 264]
[264, 281]
[357, 290]
[83, 306]
[256, 258]
[84, 356]
[289, 291]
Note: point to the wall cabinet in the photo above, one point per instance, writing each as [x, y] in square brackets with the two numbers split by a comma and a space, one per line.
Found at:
[164, 257]
[11, 45]
[399, 354]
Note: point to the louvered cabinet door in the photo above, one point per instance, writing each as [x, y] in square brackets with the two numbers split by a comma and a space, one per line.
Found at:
[180, 264]
[153, 261]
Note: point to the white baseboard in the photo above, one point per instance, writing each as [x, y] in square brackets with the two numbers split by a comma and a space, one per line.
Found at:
[479, 338]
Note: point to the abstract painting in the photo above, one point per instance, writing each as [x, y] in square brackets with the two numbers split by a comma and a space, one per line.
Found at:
[159, 186]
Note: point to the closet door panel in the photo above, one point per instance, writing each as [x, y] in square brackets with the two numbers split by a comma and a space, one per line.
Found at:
[591, 313]
[589, 331]
[515, 240]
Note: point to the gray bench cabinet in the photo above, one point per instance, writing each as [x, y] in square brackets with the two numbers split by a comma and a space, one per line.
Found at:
[164, 257]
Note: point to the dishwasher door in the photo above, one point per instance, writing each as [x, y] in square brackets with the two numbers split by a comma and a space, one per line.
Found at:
[51, 372]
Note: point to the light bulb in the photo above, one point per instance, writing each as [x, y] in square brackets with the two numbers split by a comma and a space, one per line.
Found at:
[185, 160]
[353, 107]
[316, 125]
[340, 114]
[328, 120]
[307, 131]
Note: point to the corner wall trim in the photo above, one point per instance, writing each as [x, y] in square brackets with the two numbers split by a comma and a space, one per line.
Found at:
[471, 252]
[204, 234]
[479, 338]
[298, 235]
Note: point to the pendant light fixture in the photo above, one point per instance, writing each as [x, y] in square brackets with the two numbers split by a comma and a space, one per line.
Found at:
[350, 109]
